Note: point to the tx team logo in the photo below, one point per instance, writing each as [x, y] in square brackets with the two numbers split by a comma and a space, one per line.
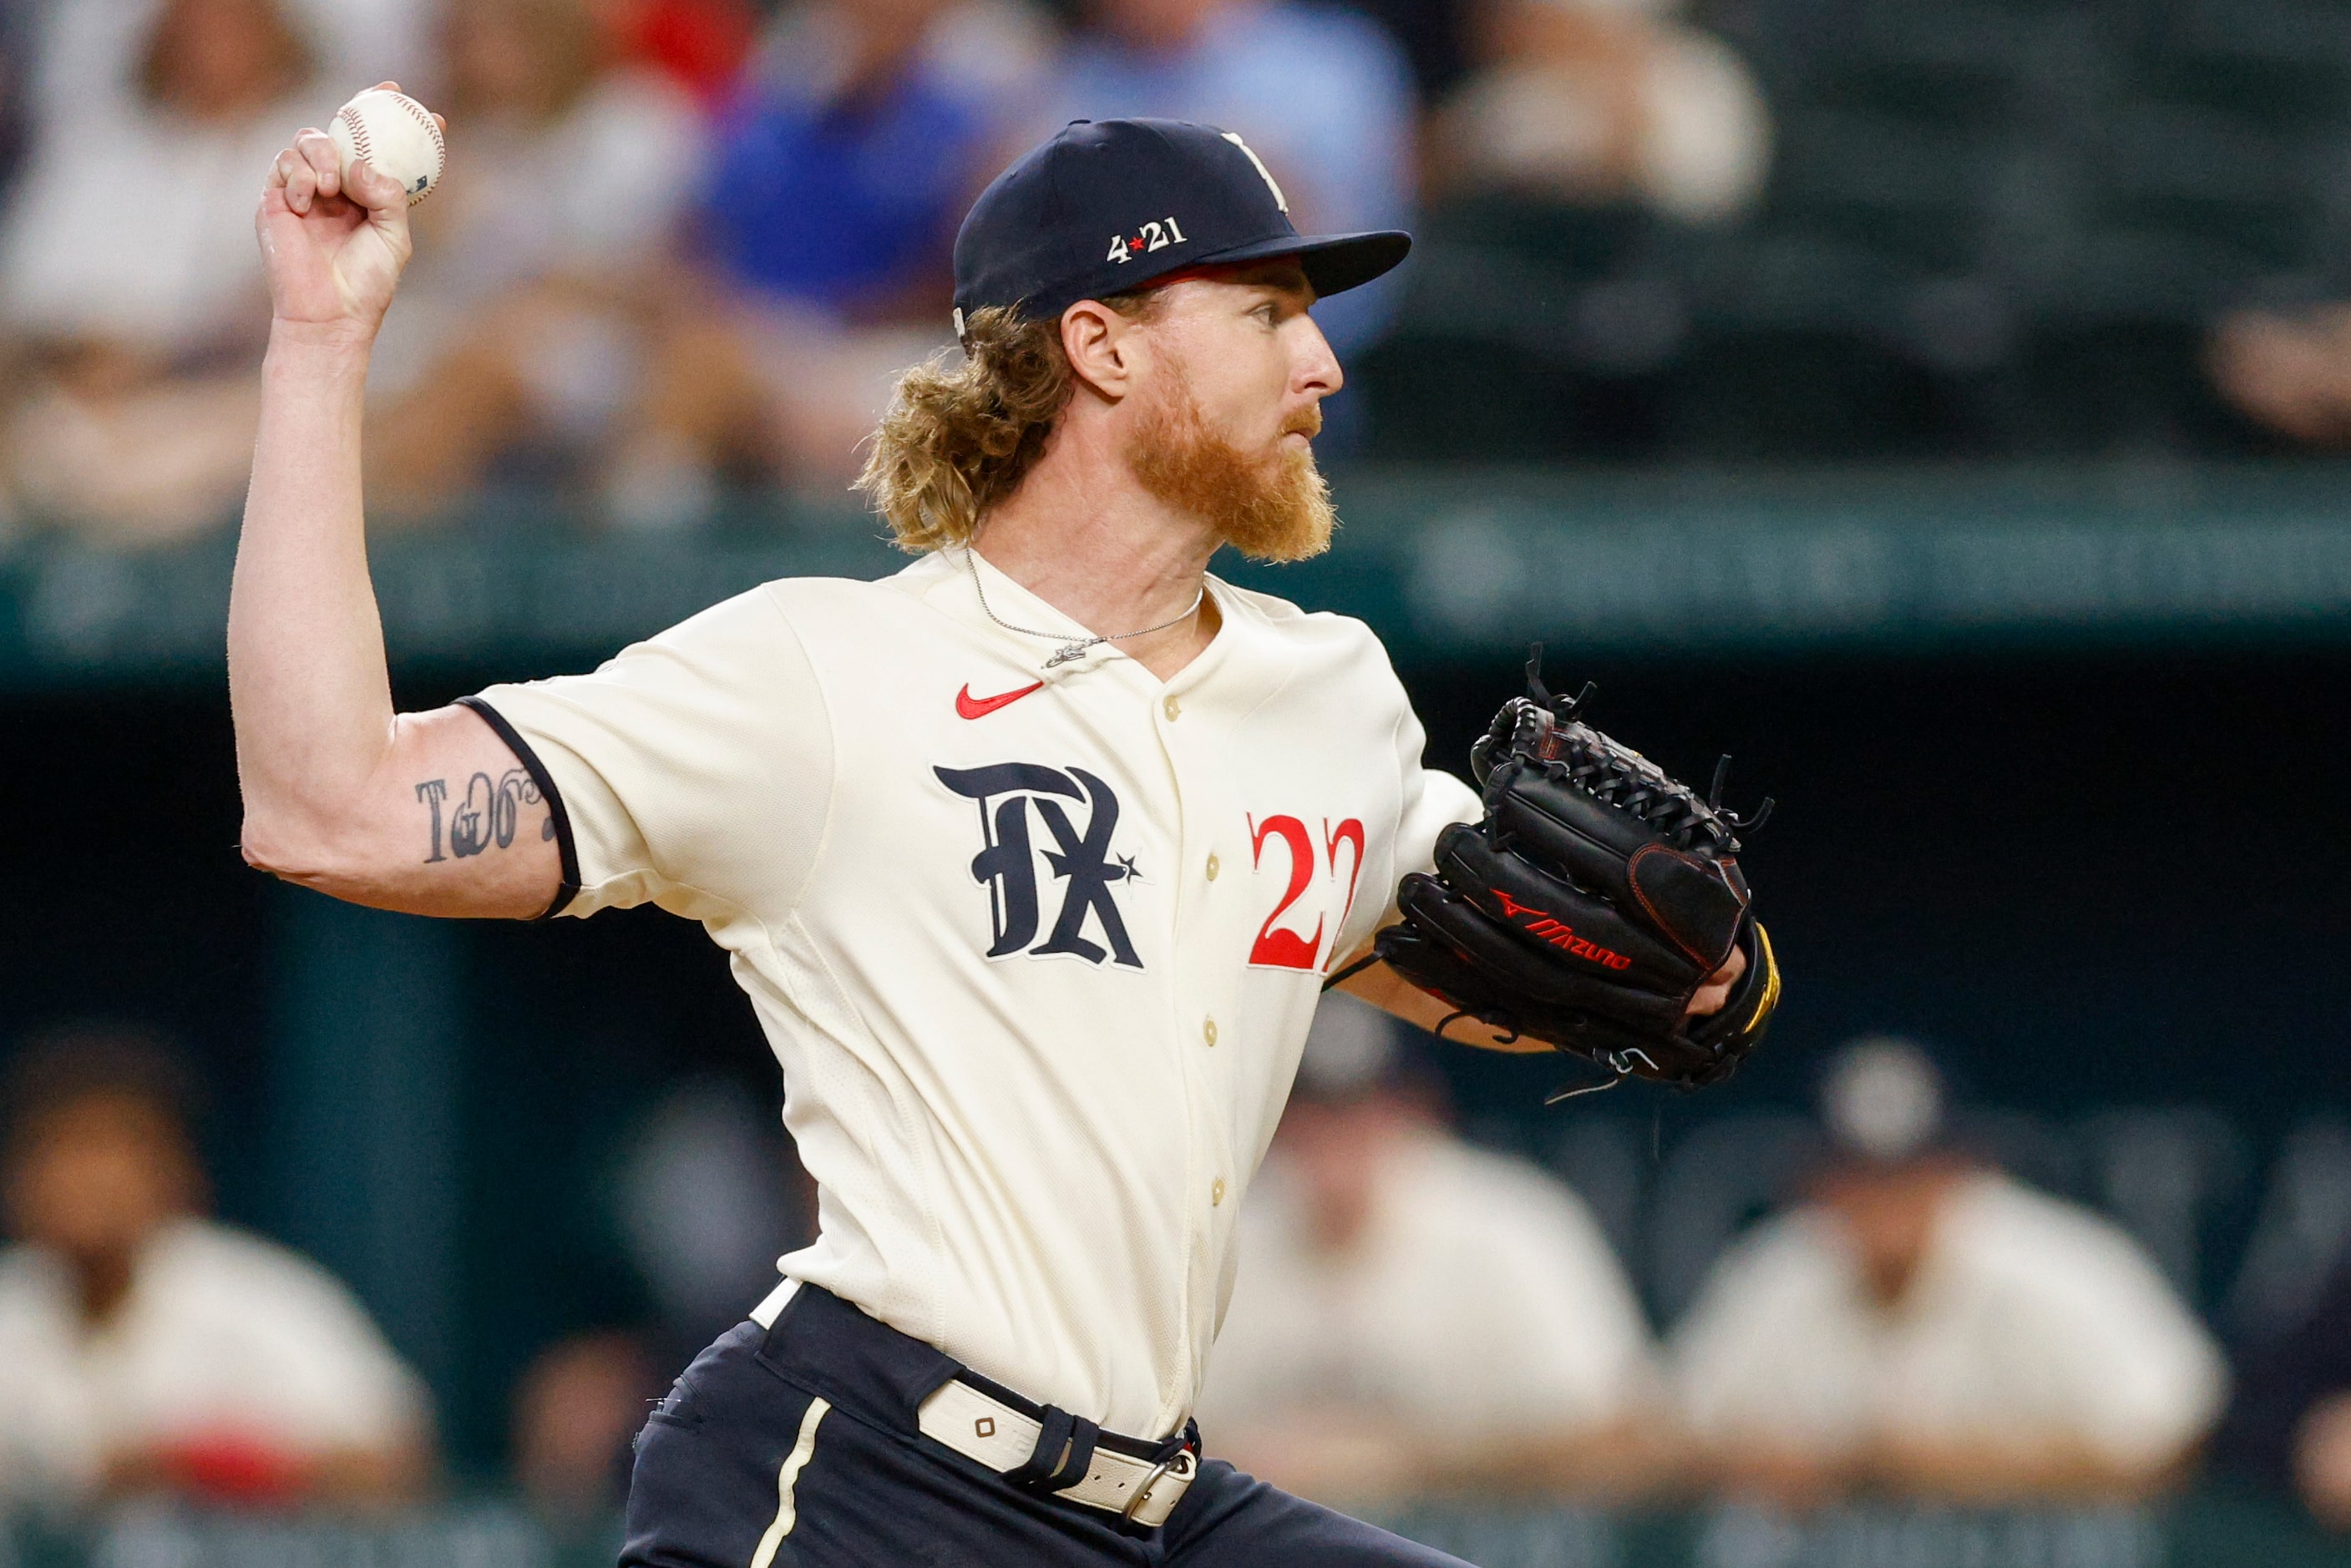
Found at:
[1080, 859]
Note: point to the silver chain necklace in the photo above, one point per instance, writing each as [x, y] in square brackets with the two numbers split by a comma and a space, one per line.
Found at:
[1069, 648]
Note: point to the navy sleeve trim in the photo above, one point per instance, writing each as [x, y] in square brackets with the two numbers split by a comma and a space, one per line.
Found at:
[546, 782]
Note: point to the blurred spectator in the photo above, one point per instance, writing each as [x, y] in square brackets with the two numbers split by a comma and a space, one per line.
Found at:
[866, 128]
[2322, 1460]
[701, 45]
[1605, 101]
[2289, 371]
[128, 285]
[88, 58]
[862, 140]
[1322, 96]
[522, 316]
[144, 1348]
[1412, 1314]
[1433, 35]
[1928, 1326]
[576, 1415]
[2289, 1423]
[708, 1195]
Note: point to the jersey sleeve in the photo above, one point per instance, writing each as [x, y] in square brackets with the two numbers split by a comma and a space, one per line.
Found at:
[693, 770]
[1433, 801]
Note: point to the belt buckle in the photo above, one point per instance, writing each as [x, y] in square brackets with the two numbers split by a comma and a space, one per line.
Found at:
[1158, 1472]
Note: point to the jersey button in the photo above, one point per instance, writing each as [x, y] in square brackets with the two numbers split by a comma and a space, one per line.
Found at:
[1208, 1031]
[1216, 1194]
[1212, 867]
[1173, 708]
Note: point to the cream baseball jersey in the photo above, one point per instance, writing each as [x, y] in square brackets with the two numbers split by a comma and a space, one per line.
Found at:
[1037, 948]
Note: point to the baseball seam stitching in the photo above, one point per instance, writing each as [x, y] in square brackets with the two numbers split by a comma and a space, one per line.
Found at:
[418, 112]
[359, 145]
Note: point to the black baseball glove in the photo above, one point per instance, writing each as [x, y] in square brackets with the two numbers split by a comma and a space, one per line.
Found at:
[1589, 905]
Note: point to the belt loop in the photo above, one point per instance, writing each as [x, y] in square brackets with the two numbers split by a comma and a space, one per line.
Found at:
[1071, 1470]
[1056, 1429]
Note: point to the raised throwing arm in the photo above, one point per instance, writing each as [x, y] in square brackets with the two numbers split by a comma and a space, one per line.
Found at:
[429, 813]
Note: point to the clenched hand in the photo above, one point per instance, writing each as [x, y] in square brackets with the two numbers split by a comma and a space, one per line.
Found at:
[332, 247]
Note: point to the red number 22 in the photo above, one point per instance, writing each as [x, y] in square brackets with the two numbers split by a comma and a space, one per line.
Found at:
[1276, 947]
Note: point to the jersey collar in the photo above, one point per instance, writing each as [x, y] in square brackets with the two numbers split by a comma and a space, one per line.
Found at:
[950, 590]
[1242, 659]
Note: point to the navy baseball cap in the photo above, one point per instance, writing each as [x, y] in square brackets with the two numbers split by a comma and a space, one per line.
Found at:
[1110, 206]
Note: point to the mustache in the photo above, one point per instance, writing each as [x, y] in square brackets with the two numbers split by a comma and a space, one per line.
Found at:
[1307, 421]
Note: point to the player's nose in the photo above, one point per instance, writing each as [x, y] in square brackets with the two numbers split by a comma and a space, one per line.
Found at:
[1317, 372]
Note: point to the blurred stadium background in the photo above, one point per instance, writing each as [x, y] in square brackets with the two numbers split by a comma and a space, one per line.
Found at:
[1930, 403]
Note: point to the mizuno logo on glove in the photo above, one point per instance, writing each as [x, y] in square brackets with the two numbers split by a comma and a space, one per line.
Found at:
[1558, 936]
[1582, 835]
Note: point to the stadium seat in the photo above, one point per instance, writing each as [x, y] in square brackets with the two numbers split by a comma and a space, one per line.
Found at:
[1529, 331]
[2202, 173]
[2284, 64]
[1797, 352]
[1924, 195]
[2115, 361]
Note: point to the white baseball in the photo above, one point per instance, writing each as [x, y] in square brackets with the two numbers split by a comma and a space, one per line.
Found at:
[396, 135]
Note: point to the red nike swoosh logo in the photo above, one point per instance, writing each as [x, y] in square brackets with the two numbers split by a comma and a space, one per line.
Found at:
[970, 707]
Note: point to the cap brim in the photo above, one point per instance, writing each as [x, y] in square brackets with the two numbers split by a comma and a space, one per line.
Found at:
[1333, 262]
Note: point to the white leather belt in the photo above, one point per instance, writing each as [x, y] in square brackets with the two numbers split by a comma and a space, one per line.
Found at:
[984, 1428]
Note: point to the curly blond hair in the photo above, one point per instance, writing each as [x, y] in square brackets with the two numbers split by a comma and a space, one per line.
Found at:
[961, 434]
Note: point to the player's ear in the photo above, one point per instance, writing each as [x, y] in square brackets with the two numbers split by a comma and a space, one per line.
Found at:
[1101, 348]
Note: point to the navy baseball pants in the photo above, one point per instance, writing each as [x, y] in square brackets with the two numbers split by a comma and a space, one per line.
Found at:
[796, 1446]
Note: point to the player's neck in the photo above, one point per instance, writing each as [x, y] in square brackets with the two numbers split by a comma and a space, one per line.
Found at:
[1089, 540]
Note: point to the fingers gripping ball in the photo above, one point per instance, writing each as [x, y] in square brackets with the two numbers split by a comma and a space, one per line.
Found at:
[396, 135]
[1589, 906]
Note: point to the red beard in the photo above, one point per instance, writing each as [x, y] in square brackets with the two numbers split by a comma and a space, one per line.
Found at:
[1271, 508]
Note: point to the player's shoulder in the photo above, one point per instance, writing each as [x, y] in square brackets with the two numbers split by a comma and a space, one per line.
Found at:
[1501, 1196]
[225, 1274]
[1798, 1258]
[1467, 1173]
[902, 605]
[776, 609]
[1996, 1201]
[1309, 633]
[200, 1254]
[2006, 1227]
[1322, 656]
[900, 602]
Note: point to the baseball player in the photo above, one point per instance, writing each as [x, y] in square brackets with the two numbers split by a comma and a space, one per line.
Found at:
[1032, 858]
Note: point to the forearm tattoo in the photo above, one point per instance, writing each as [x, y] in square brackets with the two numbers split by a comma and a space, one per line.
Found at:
[485, 817]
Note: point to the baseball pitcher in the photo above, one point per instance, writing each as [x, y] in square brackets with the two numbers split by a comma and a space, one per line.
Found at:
[1033, 859]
